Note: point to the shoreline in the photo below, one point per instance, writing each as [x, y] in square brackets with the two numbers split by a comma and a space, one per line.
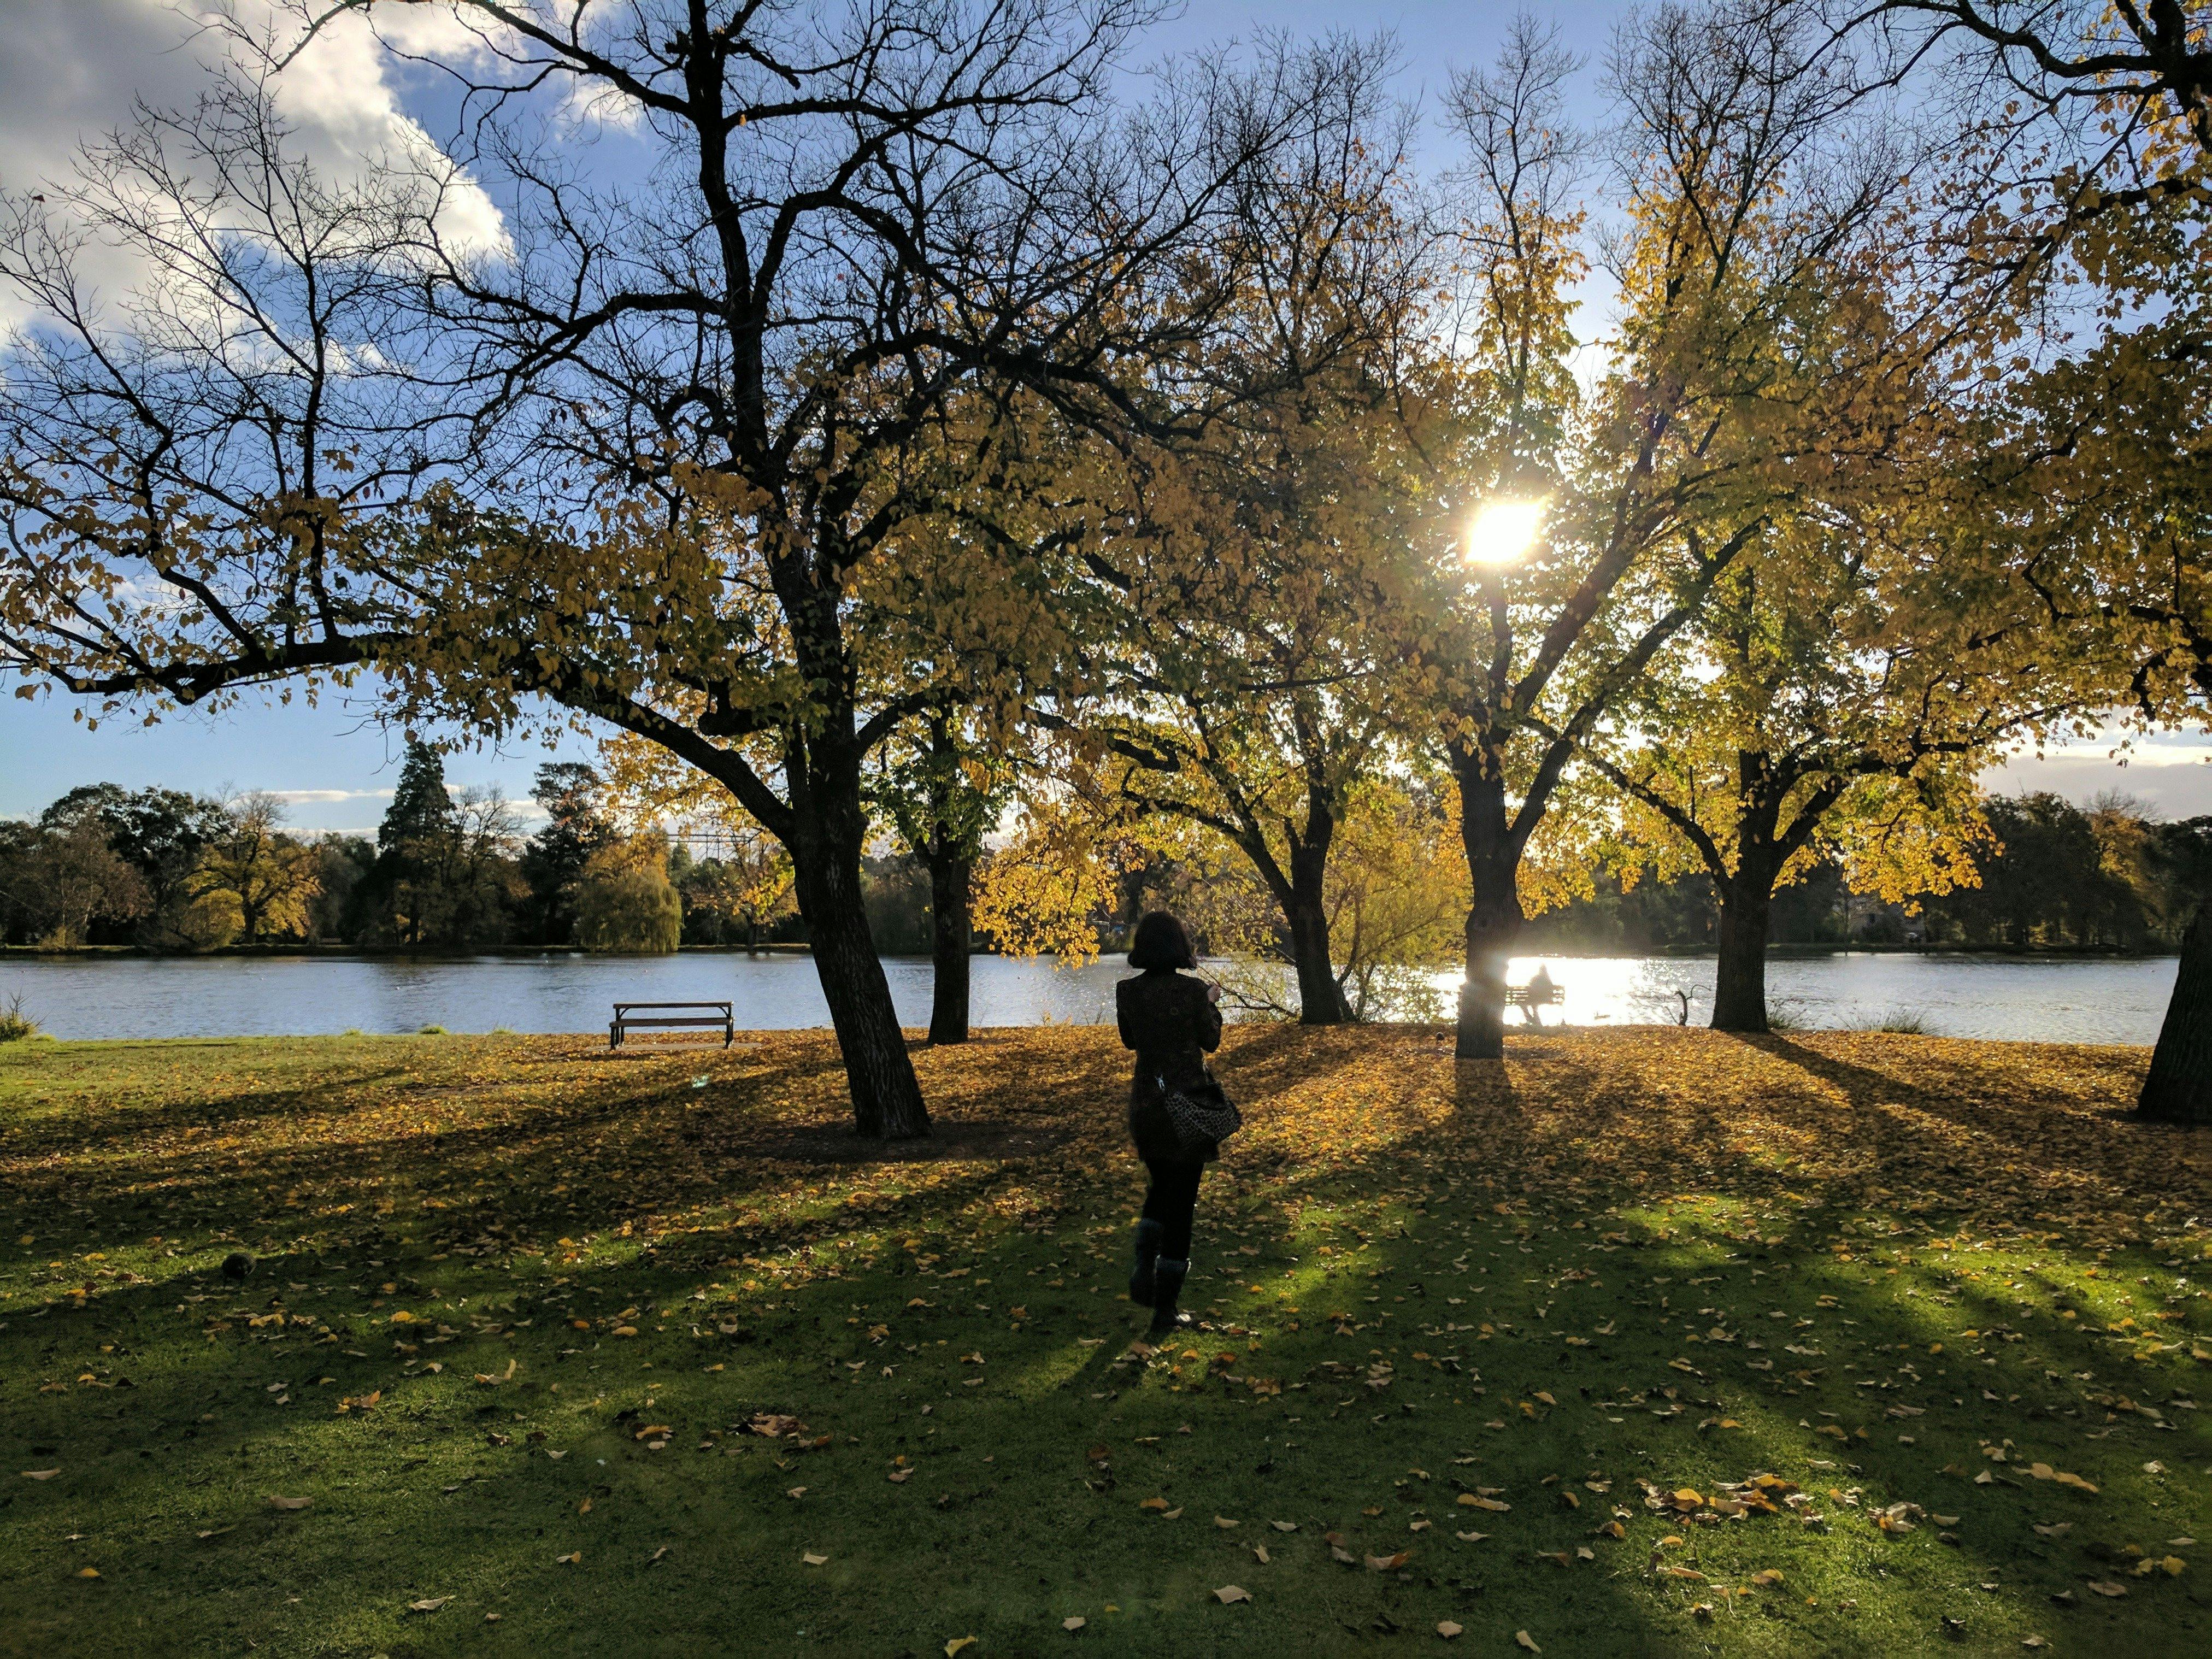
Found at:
[537, 953]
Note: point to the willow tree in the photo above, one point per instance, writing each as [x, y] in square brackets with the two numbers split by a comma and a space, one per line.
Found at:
[1756, 205]
[694, 391]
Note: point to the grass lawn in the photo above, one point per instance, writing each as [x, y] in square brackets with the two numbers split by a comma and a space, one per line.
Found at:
[1646, 1342]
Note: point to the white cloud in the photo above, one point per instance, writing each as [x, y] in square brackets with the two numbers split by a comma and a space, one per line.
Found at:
[69, 70]
[301, 797]
[2170, 772]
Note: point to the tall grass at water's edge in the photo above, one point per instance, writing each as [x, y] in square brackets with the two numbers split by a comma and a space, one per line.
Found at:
[15, 1026]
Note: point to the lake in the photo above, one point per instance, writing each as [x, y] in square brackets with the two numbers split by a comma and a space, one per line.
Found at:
[2112, 999]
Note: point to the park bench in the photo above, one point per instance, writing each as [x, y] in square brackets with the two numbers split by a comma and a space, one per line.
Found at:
[627, 1018]
[1529, 998]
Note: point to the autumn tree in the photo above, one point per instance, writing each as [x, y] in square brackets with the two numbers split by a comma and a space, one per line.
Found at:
[737, 873]
[2085, 163]
[254, 883]
[1834, 700]
[694, 394]
[1756, 207]
[1239, 670]
[1049, 886]
[735, 881]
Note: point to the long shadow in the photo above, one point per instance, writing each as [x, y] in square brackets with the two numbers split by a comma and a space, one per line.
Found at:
[1569, 1136]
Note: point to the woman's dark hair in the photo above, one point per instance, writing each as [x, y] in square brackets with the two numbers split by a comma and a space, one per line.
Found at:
[1161, 942]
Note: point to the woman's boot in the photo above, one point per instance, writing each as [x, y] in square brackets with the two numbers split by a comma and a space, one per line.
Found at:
[1149, 1234]
[1167, 1287]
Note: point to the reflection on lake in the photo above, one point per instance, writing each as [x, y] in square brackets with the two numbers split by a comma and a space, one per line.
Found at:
[2019, 1000]
[2071, 1000]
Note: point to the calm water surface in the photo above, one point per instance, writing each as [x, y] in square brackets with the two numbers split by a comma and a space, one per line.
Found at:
[2074, 1000]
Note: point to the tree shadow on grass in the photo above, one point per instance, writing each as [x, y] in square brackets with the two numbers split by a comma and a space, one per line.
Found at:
[1375, 1144]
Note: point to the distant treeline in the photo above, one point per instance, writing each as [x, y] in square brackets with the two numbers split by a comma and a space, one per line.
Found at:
[2109, 877]
[162, 870]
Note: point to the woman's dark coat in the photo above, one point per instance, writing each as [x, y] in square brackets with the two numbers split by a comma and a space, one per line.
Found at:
[1173, 1025]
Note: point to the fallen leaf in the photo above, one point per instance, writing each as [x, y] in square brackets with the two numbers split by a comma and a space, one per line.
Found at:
[1526, 1641]
[87, 1572]
[2106, 1587]
[1077, 1622]
[275, 1503]
[429, 1604]
[1153, 1503]
[1229, 1593]
[573, 1558]
[953, 1647]
[813, 1560]
[1284, 1526]
[1389, 1563]
[41, 1474]
[1448, 1630]
[1766, 1577]
[1226, 1525]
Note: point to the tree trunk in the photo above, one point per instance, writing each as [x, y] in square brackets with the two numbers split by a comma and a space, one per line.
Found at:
[1739, 977]
[1321, 998]
[1493, 919]
[2180, 1087]
[950, 938]
[825, 856]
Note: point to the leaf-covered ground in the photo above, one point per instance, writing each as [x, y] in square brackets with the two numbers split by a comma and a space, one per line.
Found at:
[1646, 1342]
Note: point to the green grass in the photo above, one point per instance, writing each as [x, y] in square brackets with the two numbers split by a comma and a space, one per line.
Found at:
[1621, 1266]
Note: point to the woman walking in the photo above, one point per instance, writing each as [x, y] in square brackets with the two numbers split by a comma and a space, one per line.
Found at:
[1173, 1022]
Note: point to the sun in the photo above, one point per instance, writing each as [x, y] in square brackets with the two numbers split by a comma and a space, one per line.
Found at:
[1501, 531]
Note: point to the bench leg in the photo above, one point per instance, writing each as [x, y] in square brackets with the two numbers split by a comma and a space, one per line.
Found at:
[614, 1035]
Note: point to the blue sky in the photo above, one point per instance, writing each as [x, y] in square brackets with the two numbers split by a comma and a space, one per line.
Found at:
[71, 68]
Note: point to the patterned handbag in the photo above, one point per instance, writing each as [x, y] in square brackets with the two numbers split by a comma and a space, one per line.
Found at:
[1201, 1116]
